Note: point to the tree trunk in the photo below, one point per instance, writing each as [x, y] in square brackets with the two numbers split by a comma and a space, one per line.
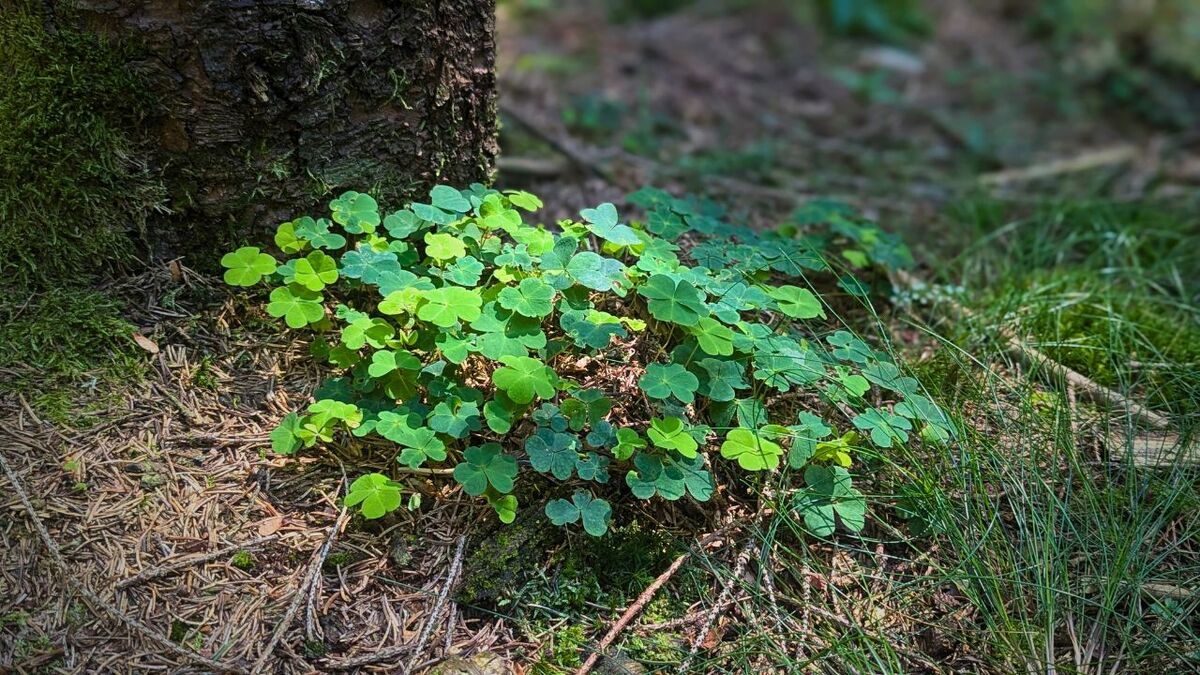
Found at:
[270, 107]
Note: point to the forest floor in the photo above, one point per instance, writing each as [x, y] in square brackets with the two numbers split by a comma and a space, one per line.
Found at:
[1062, 530]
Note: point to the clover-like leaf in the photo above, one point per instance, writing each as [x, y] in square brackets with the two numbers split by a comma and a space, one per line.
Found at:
[455, 418]
[371, 266]
[283, 438]
[532, 297]
[596, 272]
[522, 378]
[713, 337]
[848, 347]
[721, 379]
[357, 212]
[796, 302]
[316, 232]
[523, 199]
[938, 427]
[674, 301]
[888, 375]
[829, 494]
[751, 449]
[505, 507]
[465, 271]
[442, 246]
[486, 466]
[594, 512]
[628, 442]
[449, 199]
[402, 223]
[375, 494]
[385, 361]
[553, 452]
[662, 381]
[247, 266]
[805, 436]
[286, 239]
[602, 222]
[448, 305]
[592, 467]
[672, 433]
[297, 305]
[365, 331]
[315, 271]
[885, 427]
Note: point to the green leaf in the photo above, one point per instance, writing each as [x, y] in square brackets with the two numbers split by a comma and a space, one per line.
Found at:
[283, 438]
[369, 265]
[485, 466]
[663, 381]
[805, 437]
[675, 301]
[358, 213]
[796, 302]
[448, 305]
[505, 507]
[829, 494]
[602, 222]
[594, 512]
[532, 297]
[553, 452]
[586, 333]
[752, 451]
[523, 200]
[596, 272]
[286, 239]
[592, 467]
[628, 442]
[374, 332]
[672, 433]
[317, 233]
[447, 198]
[465, 271]
[848, 347]
[455, 418]
[385, 361]
[441, 246]
[402, 224]
[938, 427]
[500, 413]
[297, 305]
[888, 375]
[375, 494]
[246, 266]
[315, 271]
[523, 377]
[713, 337]
[721, 379]
[885, 427]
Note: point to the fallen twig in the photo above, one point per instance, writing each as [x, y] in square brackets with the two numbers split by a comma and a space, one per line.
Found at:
[310, 578]
[95, 600]
[188, 561]
[1088, 160]
[719, 606]
[436, 614]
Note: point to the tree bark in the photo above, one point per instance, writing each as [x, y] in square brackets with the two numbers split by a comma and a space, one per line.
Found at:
[270, 107]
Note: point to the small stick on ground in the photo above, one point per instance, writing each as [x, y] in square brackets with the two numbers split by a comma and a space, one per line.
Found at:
[719, 605]
[182, 563]
[309, 579]
[436, 614]
[100, 603]
[637, 606]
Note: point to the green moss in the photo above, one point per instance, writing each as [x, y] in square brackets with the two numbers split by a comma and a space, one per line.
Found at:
[243, 560]
[70, 185]
[65, 333]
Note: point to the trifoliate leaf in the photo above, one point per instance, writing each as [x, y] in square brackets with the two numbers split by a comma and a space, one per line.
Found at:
[369, 265]
[246, 266]
[358, 213]
[505, 507]
[375, 494]
[385, 361]
[448, 199]
[532, 297]
[455, 418]
[628, 442]
[585, 332]
[297, 305]
[315, 271]
[441, 246]
[522, 378]
[837, 450]
[713, 337]
[752, 451]
[523, 199]
[553, 452]
[316, 232]
[596, 272]
[938, 427]
[286, 239]
[283, 438]
[374, 332]
[721, 379]
[594, 512]
[848, 347]
[592, 467]
[796, 302]
[828, 494]
[673, 301]
[672, 434]
[888, 375]
[662, 381]
[448, 305]
[602, 222]
[485, 466]
[500, 413]
[402, 224]
[465, 271]
[885, 427]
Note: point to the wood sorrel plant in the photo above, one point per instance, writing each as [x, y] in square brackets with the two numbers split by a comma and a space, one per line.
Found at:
[452, 325]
